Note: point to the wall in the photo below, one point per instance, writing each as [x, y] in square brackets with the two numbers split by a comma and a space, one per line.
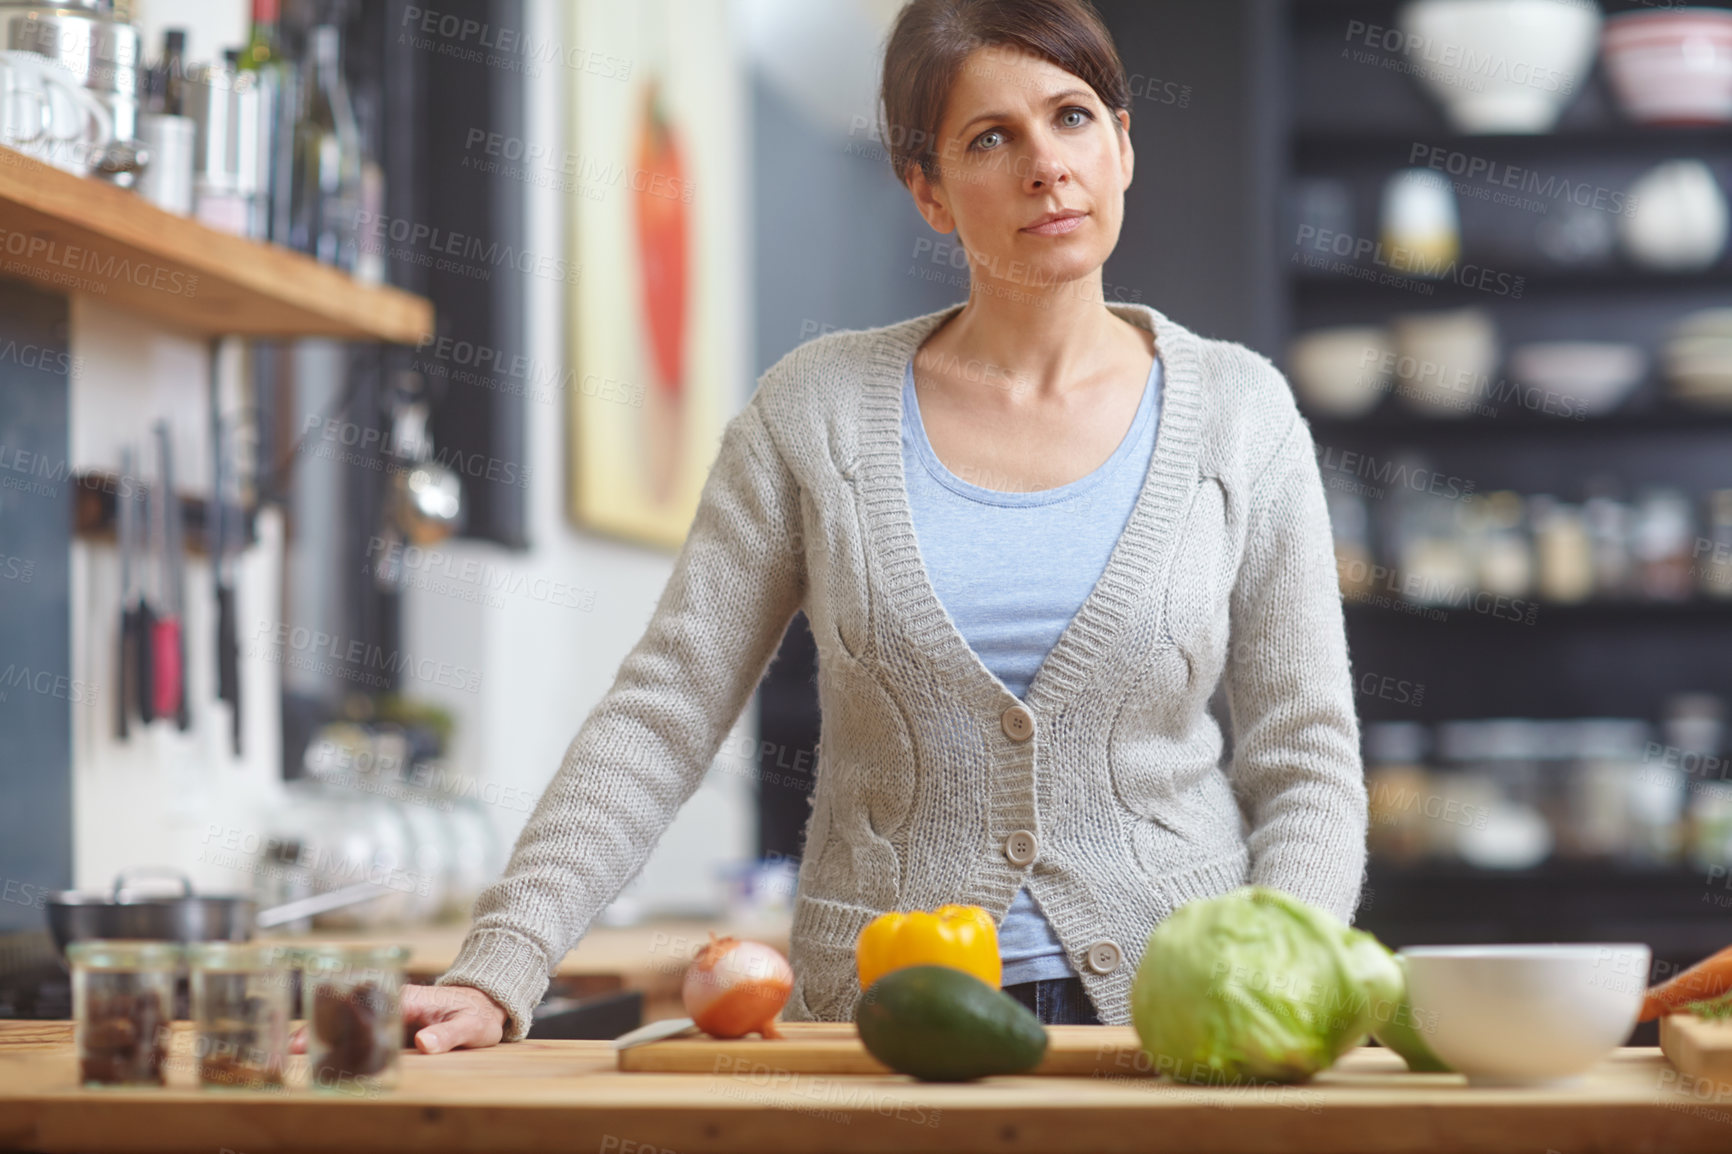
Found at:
[545, 666]
[38, 692]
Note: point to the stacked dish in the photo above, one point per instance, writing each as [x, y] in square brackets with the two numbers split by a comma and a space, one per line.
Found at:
[1697, 355]
[1672, 67]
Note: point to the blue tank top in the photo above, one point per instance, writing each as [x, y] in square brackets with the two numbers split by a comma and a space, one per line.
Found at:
[1056, 543]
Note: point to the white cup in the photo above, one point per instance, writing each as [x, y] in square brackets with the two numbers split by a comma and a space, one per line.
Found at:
[46, 113]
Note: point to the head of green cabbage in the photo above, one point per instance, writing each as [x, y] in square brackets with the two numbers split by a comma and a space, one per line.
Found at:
[1258, 986]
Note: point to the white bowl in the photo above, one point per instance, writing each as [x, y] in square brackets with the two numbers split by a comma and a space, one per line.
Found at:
[1677, 219]
[1596, 375]
[1342, 372]
[1501, 65]
[1672, 67]
[1518, 1015]
[1444, 360]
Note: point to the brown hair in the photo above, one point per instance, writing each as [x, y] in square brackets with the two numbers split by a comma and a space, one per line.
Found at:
[932, 38]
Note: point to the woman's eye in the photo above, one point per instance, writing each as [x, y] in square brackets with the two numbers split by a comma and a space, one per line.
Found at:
[1082, 113]
[980, 141]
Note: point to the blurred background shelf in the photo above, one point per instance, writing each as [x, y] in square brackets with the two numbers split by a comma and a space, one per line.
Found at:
[1564, 615]
[1517, 421]
[87, 238]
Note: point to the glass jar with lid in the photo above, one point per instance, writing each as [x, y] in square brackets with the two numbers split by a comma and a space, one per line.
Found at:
[241, 1010]
[352, 998]
[123, 1009]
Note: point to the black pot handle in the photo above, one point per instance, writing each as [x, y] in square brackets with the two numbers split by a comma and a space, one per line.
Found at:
[121, 878]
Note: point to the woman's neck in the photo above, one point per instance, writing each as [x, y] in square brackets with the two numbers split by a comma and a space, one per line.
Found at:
[1047, 342]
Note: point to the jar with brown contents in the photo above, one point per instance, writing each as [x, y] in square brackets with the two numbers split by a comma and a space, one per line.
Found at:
[122, 1008]
[353, 1004]
[240, 1002]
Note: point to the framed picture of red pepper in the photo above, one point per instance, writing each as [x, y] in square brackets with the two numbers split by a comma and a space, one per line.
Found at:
[655, 183]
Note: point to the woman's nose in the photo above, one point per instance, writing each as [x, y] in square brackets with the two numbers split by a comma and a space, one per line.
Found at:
[1044, 170]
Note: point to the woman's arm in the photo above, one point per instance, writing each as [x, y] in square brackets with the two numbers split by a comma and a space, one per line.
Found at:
[1296, 765]
[645, 748]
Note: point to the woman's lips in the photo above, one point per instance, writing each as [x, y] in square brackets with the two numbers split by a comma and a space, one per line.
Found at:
[1059, 227]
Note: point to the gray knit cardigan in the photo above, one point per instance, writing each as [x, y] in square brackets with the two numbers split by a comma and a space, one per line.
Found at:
[1110, 790]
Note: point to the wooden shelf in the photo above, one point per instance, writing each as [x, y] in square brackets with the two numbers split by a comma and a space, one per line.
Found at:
[82, 237]
[1698, 610]
[1324, 145]
[1392, 423]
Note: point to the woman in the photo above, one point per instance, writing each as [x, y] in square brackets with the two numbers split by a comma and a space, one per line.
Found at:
[1033, 534]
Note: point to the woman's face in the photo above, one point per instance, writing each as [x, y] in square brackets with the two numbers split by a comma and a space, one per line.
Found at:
[1022, 139]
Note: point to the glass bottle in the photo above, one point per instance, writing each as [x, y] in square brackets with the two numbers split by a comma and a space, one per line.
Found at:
[1505, 555]
[1663, 536]
[1608, 522]
[1399, 792]
[1713, 549]
[1565, 550]
[261, 49]
[164, 93]
[1350, 523]
[327, 184]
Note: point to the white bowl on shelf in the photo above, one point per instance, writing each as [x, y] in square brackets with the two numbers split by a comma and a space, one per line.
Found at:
[1342, 372]
[1697, 359]
[1444, 360]
[1501, 65]
[1596, 375]
[1671, 67]
[1677, 218]
[1526, 1015]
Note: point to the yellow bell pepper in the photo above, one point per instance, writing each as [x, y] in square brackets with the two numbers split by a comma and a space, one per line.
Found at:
[963, 937]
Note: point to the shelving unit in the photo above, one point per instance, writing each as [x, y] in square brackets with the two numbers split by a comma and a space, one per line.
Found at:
[1357, 124]
[82, 237]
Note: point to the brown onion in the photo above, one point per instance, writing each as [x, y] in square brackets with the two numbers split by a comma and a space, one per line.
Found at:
[734, 988]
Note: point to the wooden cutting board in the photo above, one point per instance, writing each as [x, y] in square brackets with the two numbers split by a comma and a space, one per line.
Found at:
[835, 1048]
[1698, 1048]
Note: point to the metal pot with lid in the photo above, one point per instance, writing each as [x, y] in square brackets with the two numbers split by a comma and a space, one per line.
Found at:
[122, 912]
[94, 41]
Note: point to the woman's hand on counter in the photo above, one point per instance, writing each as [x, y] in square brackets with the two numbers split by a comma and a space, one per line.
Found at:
[451, 1017]
[441, 1018]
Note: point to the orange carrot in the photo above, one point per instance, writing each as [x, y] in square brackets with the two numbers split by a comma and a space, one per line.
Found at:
[1708, 978]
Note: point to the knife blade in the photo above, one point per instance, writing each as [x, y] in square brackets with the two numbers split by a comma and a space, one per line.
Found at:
[169, 665]
[144, 613]
[654, 1032]
[171, 629]
[225, 541]
[123, 511]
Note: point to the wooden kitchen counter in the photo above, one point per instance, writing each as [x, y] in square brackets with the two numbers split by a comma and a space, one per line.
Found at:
[559, 1095]
[650, 957]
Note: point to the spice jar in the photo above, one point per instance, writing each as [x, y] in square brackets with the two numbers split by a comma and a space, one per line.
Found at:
[352, 998]
[1663, 537]
[1566, 551]
[1402, 804]
[240, 1005]
[1712, 551]
[123, 1009]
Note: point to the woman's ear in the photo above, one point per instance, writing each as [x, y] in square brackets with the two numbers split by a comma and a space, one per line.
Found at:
[1127, 156]
[929, 199]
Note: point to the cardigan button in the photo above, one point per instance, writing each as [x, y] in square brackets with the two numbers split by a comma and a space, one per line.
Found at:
[1018, 723]
[1021, 847]
[1103, 957]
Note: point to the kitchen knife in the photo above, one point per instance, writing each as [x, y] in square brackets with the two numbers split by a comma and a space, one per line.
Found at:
[123, 515]
[144, 616]
[223, 541]
[654, 1032]
[166, 641]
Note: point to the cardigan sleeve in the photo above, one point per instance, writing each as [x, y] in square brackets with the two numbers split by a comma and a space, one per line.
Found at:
[646, 746]
[1296, 767]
